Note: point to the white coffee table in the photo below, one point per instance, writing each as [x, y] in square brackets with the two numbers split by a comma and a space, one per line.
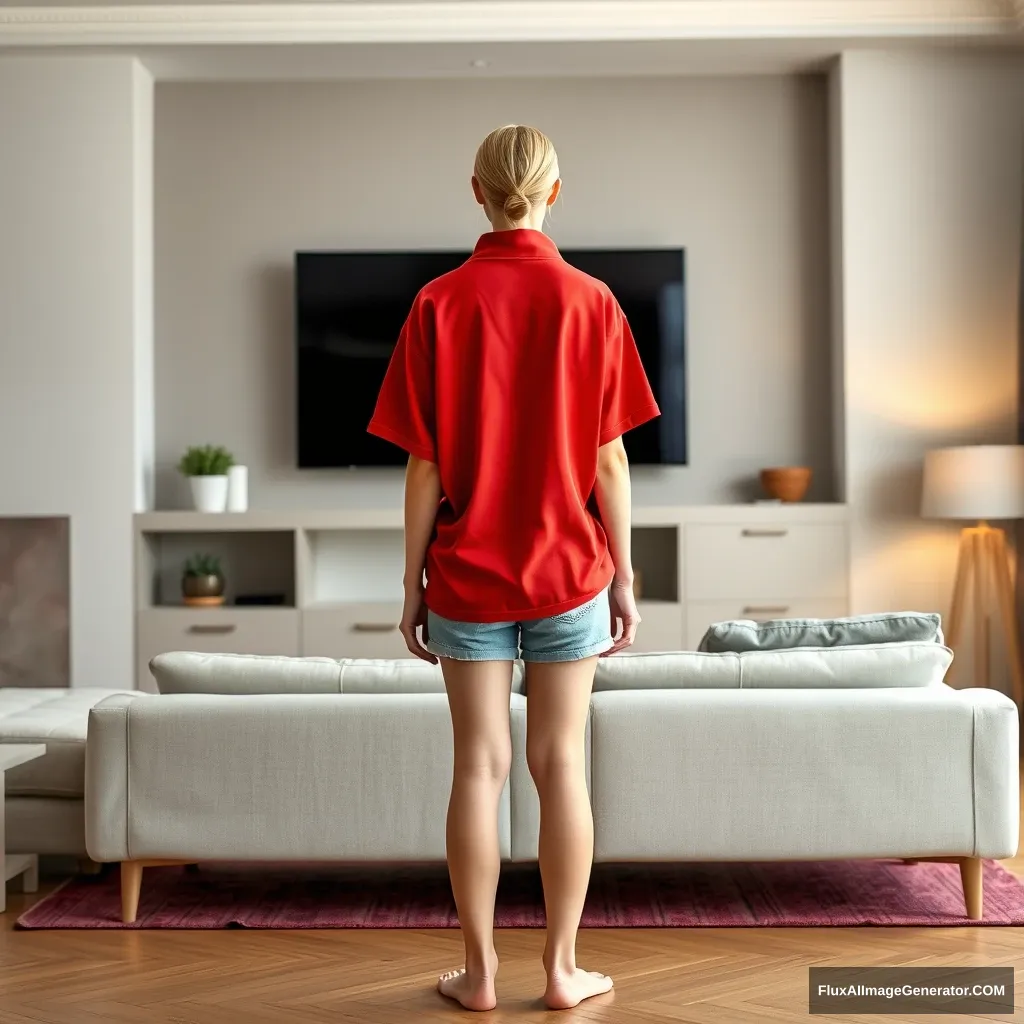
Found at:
[25, 864]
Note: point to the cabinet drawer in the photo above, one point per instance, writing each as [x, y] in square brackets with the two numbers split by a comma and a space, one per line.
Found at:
[354, 631]
[213, 631]
[701, 614]
[761, 563]
[661, 627]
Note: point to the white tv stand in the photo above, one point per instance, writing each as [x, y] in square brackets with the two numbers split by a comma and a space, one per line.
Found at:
[338, 576]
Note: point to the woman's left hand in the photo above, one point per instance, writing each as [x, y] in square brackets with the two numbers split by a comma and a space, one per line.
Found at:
[414, 616]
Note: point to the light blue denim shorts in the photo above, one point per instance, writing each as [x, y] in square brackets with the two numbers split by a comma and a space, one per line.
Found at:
[571, 636]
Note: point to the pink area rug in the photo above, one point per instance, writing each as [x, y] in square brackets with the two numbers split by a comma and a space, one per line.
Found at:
[678, 896]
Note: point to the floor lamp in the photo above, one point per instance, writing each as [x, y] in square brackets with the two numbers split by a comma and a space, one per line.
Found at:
[979, 483]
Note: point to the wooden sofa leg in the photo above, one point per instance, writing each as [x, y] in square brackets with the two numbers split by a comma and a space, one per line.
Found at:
[131, 887]
[131, 883]
[910, 860]
[89, 867]
[970, 877]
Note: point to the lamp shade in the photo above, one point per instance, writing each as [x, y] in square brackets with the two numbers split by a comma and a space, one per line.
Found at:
[984, 481]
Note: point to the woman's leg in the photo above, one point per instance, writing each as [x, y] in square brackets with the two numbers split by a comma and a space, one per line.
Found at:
[557, 703]
[478, 694]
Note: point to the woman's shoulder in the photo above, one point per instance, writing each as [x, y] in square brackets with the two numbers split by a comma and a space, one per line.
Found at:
[586, 285]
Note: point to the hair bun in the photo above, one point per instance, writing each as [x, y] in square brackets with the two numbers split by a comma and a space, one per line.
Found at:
[516, 206]
[515, 169]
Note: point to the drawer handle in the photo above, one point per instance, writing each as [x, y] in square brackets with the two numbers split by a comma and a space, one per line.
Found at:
[374, 627]
[213, 630]
[765, 533]
[766, 609]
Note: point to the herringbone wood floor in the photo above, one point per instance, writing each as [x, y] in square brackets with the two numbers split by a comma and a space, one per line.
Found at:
[705, 976]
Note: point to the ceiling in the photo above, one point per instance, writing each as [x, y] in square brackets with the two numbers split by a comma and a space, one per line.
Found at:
[228, 40]
[505, 60]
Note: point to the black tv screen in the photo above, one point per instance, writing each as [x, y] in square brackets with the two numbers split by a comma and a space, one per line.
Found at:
[350, 308]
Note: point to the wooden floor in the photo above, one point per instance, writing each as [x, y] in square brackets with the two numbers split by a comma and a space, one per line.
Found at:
[718, 976]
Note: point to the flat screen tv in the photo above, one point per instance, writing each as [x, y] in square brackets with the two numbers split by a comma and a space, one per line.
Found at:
[350, 308]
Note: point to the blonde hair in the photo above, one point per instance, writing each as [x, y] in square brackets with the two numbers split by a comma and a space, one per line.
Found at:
[515, 167]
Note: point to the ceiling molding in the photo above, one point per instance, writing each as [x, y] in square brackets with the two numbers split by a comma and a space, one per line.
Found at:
[503, 21]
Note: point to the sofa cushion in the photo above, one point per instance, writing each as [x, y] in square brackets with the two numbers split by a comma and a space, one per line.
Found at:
[59, 718]
[191, 672]
[669, 671]
[402, 675]
[866, 666]
[779, 634]
[862, 666]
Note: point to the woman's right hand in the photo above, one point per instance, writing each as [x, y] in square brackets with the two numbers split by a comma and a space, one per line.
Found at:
[623, 609]
[414, 616]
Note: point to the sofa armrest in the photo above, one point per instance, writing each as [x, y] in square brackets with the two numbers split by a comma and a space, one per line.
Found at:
[106, 778]
[996, 767]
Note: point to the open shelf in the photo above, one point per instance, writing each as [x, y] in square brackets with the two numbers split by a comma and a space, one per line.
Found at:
[352, 566]
[254, 563]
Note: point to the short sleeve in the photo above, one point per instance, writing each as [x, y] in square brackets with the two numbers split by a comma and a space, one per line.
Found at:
[628, 399]
[404, 414]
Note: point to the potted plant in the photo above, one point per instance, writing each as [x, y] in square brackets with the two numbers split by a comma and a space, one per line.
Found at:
[207, 467]
[203, 582]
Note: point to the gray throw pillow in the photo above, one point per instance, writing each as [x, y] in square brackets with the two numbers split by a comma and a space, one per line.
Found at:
[781, 634]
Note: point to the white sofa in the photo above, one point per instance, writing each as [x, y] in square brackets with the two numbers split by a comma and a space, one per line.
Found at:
[812, 754]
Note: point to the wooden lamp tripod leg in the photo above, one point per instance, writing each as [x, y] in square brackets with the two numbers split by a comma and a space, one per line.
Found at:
[980, 568]
[964, 567]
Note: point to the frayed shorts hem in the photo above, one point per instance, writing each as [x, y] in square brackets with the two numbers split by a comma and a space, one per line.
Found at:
[579, 654]
[460, 654]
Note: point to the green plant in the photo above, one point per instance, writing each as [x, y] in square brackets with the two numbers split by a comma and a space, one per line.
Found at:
[203, 565]
[206, 460]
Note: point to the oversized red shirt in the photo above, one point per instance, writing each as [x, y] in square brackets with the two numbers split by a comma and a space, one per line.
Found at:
[510, 373]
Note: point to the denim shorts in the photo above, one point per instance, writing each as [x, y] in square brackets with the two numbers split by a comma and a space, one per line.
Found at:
[571, 636]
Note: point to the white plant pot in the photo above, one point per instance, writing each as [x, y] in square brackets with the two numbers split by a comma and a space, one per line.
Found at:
[238, 489]
[209, 493]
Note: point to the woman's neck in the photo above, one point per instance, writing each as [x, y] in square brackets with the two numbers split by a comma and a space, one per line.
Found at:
[534, 222]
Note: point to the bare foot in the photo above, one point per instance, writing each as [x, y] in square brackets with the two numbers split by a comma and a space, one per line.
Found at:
[471, 993]
[567, 990]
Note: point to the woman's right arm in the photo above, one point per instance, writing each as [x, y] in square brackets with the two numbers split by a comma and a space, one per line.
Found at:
[612, 491]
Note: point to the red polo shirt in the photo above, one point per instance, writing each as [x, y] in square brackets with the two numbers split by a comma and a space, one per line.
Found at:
[510, 373]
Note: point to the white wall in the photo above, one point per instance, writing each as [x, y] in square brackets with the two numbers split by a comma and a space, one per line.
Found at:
[142, 286]
[74, 327]
[733, 169]
[928, 184]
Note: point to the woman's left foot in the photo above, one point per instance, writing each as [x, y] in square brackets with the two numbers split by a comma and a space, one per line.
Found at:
[471, 993]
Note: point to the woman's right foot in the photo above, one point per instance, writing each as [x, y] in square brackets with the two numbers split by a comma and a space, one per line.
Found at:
[472, 993]
[566, 990]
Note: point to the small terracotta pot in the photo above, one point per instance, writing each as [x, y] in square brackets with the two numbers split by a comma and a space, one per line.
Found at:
[202, 586]
[787, 483]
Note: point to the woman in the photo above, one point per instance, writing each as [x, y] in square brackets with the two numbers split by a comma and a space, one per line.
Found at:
[510, 387]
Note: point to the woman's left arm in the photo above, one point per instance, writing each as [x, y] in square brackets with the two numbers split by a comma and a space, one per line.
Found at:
[422, 498]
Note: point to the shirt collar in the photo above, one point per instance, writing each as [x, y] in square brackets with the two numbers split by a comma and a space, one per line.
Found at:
[517, 243]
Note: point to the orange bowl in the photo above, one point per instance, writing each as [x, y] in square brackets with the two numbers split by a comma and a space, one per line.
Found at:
[787, 483]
